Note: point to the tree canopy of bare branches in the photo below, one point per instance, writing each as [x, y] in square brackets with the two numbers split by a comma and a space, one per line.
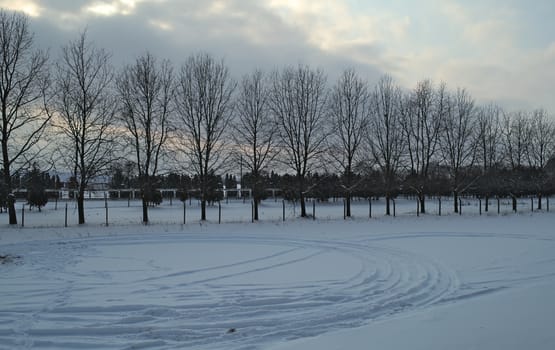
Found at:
[204, 104]
[458, 139]
[516, 135]
[146, 90]
[385, 133]
[83, 110]
[349, 108]
[298, 101]
[423, 111]
[254, 130]
[24, 81]
[542, 139]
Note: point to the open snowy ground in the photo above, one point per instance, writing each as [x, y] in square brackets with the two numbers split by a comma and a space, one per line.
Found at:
[428, 282]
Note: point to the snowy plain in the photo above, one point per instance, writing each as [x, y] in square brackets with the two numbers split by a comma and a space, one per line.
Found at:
[405, 282]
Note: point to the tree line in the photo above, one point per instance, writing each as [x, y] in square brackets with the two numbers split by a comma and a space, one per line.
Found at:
[84, 115]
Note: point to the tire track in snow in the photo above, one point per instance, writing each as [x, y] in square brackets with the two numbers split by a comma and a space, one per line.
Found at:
[194, 307]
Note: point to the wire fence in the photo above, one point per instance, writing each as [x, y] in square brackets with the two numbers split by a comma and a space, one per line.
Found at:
[63, 213]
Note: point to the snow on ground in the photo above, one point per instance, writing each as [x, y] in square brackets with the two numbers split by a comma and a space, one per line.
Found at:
[428, 282]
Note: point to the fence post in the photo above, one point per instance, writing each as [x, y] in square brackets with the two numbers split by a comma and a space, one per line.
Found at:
[219, 212]
[531, 203]
[439, 203]
[393, 207]
[106, 207]
[313, 209]
[65, 222]
[344, 209]
[23, 215]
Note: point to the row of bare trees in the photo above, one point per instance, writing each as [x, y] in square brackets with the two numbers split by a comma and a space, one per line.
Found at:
[198, 120]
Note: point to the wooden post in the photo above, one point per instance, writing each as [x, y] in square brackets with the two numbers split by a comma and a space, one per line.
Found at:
[370, 207]
[531, 203]
[344, 209]
[65, 224]
[313, 209]
[23, 215]
[439, 205]
[393, 207]
[106, 207]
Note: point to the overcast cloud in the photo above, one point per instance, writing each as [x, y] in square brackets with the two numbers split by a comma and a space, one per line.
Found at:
[500, 50]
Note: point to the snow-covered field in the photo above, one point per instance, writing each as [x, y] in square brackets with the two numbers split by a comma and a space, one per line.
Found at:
[428, 282]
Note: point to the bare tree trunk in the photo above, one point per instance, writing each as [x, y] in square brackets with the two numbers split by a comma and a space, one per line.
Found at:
[539, 201]
[81, 205]
[422, 199]
[203, 209]
[145, 210]
[11, 211]
[487, 203]
[456, 201]
[303, 205]
[348, 205]
[387, 204]
[256, 209]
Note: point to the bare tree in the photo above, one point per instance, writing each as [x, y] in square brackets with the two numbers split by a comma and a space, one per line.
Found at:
[145, 90]
[349, 106]
[540, 149]
[423, 112]
[298, 99]
[204, 104]
[23, 82]
[459, 142]
[83, 110]
[255, 129]
[488, 147]
[385, 133]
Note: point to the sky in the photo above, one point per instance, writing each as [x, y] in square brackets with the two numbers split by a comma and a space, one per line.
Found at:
[501, 51]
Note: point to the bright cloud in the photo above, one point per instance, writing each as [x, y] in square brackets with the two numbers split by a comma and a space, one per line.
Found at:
[29, 7]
